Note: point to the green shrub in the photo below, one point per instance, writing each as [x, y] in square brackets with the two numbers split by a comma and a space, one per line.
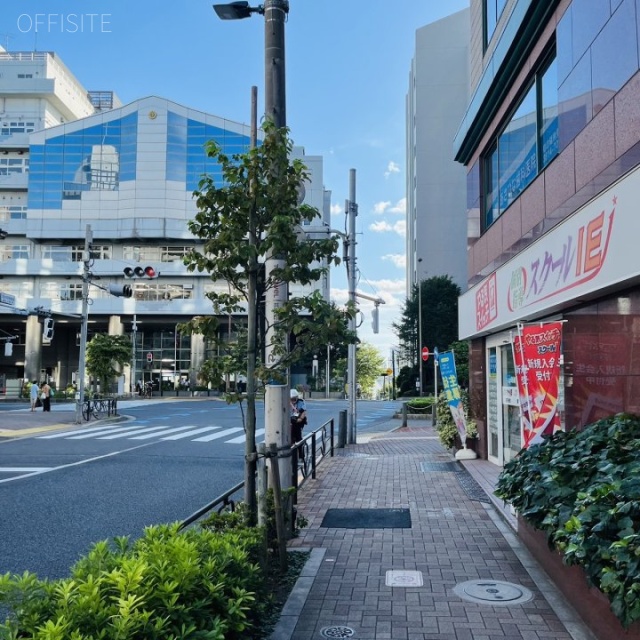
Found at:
[168, 584]
[582, 488]
[420, 403]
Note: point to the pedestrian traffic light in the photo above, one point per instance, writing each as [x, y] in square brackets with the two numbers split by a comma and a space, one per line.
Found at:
[141, 272]
[121, 291]
[47, 329]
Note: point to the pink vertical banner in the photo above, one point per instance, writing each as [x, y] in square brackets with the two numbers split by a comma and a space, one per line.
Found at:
[523, 394]
[539, 364]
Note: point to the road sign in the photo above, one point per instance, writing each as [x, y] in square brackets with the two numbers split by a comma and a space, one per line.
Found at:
[425, 353]
[149, 357]
[7, 298]
[389, 372]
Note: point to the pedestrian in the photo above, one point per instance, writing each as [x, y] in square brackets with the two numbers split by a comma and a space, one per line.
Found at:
[33, 395]
[46, 397]
[298, 416]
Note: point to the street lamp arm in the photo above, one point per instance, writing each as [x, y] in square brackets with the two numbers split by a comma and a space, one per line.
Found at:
[236, 10]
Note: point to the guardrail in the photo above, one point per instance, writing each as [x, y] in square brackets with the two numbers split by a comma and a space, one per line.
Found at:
[306, 456]
[98, 408]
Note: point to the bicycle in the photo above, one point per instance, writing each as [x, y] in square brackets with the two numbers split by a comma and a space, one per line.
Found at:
[148, 391]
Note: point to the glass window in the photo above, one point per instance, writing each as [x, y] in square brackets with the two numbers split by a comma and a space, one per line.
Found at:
[526, 145]
[492, 11]
[549, 114]
[14, 252]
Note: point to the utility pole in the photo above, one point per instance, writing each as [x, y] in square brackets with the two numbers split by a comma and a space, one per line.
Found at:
[86, 278]
[277, 423]
[134, 329]
[351, 209]
[419, 350]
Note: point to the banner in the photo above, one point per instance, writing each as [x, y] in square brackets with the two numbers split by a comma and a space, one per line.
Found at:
[536, 355]
[452, 391]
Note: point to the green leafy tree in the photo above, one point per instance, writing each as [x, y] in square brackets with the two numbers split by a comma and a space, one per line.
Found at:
[106, 356]
[254, 213]
[369, 366]
[439, 296]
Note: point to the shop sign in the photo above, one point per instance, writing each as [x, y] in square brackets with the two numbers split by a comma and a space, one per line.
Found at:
[588, 251]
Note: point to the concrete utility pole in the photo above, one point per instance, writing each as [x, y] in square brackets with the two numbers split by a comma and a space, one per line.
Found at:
[86, 278]
[351, 209]
[277, 424]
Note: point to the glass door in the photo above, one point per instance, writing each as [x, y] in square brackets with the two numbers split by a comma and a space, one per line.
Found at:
[512, 439]
[494, 419]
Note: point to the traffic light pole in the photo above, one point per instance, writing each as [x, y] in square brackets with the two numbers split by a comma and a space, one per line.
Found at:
[86, 277]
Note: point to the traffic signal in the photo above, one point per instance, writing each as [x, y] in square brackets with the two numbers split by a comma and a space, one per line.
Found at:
[375, 314]
[121, 291]
[47, 329]
[139, 272]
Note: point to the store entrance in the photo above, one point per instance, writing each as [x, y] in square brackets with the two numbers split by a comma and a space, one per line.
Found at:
[503, 413]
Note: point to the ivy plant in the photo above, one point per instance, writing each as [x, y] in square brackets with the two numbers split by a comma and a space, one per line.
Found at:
[582, 488]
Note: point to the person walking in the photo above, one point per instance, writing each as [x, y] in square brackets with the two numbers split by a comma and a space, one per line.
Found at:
[33, 395]
[46, 397]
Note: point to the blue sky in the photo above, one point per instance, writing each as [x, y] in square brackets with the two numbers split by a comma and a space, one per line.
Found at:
[347, 67]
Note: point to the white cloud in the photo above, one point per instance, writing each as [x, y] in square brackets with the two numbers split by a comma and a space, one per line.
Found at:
[400, 228]
[381, 227]
[336, 210]
[398, 259]
[380, 207]
[392, 167]
[399, 207]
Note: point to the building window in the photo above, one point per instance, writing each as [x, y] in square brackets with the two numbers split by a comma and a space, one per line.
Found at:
[524, 147]
[73, 253]
[10, 166]
[13, 212]
[492, 11]
[14, 252]
[155, 254]
[62, 291]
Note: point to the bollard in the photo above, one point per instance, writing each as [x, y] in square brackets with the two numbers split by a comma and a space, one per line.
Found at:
[342, 429]
[404, 414]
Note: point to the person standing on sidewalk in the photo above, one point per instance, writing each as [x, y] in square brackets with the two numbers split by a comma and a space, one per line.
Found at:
[298, 415]
[33, 395]
[46, 397]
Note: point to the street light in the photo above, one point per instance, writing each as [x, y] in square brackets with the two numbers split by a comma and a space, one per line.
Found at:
[276, 396]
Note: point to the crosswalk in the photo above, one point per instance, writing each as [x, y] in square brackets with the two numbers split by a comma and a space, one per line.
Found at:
[142, 432]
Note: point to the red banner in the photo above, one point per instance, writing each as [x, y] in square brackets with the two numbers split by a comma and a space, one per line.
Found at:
[536, 354]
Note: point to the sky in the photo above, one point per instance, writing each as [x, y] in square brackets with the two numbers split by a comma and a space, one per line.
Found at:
[347, 74]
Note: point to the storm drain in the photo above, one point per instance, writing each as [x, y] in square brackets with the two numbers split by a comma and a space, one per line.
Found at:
[493, 592]
[440, 467]
[337, 632]
[367, 519]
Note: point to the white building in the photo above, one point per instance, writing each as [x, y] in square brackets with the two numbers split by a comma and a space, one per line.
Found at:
[129, 172]
[436, 184]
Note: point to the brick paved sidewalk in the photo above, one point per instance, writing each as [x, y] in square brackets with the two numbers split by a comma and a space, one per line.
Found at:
[453, 538]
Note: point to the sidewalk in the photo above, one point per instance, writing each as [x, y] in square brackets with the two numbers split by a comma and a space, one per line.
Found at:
[421, 528]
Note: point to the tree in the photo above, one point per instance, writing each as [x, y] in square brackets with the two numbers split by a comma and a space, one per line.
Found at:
[369, 366]
[252, 215]
[106, 355]
[439, 296]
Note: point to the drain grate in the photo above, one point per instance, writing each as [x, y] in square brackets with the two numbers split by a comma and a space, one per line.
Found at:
[440, 467]
[493, 592]
[473, 490]
[337, 632]
[367, 519]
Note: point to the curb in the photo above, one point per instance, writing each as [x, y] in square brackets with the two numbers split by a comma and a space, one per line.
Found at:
[297, 598]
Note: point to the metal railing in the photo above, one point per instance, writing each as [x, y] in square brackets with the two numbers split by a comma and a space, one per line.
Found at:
[99, 408]
[306, 456]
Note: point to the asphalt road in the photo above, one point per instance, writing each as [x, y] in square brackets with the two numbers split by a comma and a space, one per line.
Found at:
[62, 491]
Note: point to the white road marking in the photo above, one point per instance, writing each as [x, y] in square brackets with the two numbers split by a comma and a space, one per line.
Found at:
[221, 434]
[190, 433]
[242, 438]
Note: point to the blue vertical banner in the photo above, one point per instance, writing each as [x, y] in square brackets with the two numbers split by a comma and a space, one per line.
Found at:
[452, 392]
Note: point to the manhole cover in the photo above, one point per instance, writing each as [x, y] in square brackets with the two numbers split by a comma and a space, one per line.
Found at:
[337, 632]
[494, 592]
